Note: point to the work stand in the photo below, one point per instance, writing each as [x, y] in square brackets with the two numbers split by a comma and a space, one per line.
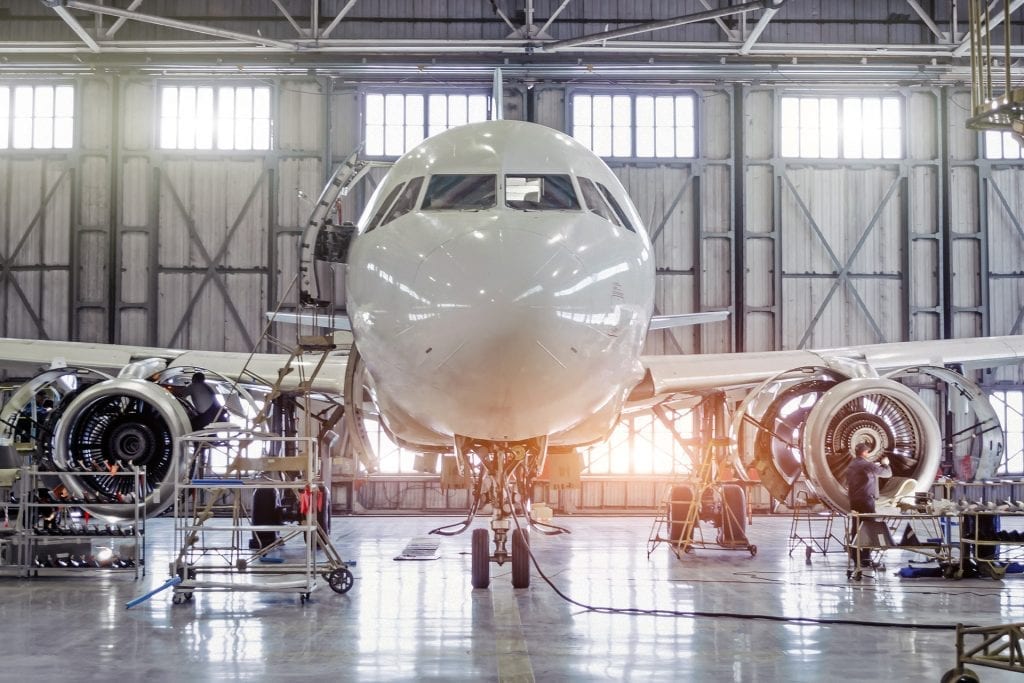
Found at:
[812, 526]
[251, 548]
[702, 497]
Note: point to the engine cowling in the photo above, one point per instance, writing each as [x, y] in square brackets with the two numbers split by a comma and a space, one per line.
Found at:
[111, 426]
[806, 423]
[877, 411]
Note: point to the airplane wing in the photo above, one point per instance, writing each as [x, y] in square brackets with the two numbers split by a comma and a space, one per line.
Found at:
[258, 368]
[802, 412]
[702, 372]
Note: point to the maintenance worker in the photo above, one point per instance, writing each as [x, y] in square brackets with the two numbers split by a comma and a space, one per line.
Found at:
[862, 488]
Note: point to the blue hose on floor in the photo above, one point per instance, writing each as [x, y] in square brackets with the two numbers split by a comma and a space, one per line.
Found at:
[173, 581]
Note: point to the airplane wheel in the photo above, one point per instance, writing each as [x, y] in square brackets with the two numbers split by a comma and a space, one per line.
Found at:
[341, 580]
[520, 558]
[481, 558]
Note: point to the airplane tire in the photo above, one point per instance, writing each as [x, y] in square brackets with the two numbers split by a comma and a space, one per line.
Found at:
[680, 500]
[520, 558]
[481, 558]
[734, 515]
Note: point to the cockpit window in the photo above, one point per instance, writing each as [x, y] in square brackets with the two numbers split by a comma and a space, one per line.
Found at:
[540, 193]
[458, 191]
[384, 206]
[406, 202]
[596, 202]
[616, 207]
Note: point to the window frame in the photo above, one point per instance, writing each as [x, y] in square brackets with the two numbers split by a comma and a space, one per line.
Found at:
[11, 85]
[984, 147]
[839, 97]
[633, 93]
[215, 85]
[425, 93]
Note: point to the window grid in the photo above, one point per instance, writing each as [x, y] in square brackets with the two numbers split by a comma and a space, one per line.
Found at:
[1009, 407]
[394, 123]
[37, 116]
[841, 128]
[1001, 145]
[235, 118]
[636, 126]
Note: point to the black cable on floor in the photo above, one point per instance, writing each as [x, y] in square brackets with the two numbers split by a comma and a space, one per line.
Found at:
[815, 621]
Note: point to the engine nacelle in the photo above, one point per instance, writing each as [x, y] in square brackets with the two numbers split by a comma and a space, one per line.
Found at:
[806, 423]
[111, 426]
[877, 411]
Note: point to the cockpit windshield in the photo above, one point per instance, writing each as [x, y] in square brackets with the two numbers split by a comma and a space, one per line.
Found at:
[460, 192]
[540, 193]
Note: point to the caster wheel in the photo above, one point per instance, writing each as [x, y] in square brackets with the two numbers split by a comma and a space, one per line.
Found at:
[341, 580]
[967, 676]
[753, 552]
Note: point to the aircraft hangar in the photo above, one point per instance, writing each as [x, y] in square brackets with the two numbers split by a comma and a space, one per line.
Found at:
[322, 362]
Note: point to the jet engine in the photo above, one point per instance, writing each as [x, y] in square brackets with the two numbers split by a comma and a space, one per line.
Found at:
[109, 427]
[808, 422]
[99, 426]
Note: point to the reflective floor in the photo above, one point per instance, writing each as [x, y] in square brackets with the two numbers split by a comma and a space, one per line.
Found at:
[421, 620]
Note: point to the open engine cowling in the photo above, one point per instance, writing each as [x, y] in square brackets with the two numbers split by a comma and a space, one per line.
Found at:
[110, 426]
[806, 424]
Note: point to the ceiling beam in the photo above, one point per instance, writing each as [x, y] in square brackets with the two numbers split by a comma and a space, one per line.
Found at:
[551, 19]
[965, 45]
[181, 25]
[928, 21]
[729, 33]
[649, 26]
[755, 34]
[337, 20]
[121, 20]
[287, 16]
[79, 30]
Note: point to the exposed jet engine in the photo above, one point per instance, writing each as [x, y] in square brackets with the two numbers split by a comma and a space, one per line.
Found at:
[102, 425]
[807, 422]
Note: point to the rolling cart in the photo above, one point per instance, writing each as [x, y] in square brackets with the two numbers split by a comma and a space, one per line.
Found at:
[230, 468]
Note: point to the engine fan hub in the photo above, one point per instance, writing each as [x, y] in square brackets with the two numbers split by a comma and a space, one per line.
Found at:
[861, 428]
[131, 442]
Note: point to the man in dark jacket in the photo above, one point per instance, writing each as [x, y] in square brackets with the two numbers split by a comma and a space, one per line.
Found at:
[862, 487]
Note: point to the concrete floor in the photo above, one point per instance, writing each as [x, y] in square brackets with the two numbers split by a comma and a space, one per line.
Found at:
[422, 620]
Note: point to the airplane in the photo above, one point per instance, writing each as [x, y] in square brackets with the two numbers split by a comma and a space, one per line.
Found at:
[499, 290]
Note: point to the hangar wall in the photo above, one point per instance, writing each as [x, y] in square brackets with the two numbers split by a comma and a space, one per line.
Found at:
[117, 240]
[175, 248]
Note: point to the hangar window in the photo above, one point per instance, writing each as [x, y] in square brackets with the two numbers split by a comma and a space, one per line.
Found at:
[1009, 406]
[841, 128]
[394, 123]
[636, 126]
[1001, 145]
[222, 118]
[37, 116]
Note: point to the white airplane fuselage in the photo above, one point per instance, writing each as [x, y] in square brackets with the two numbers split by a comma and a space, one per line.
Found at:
[484, 308]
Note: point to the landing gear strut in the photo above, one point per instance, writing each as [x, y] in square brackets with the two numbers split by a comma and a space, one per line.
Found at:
[504, 479]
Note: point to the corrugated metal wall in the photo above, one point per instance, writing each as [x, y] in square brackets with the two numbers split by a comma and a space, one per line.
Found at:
[120, 241]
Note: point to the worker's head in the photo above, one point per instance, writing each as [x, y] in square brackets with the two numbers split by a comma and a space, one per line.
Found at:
[862, 450]
[198, 377]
